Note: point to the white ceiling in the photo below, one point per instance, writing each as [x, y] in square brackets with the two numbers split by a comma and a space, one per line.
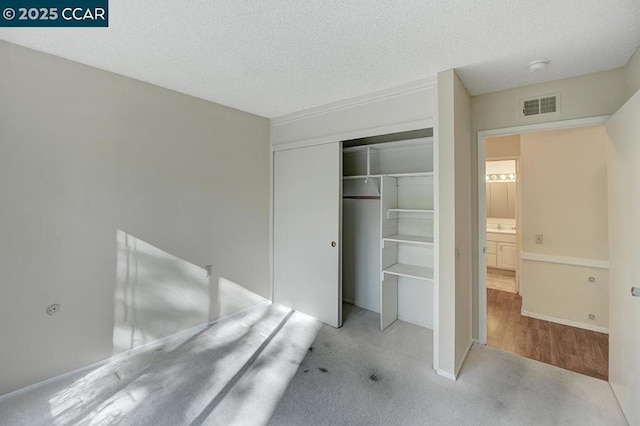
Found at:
[274, 57]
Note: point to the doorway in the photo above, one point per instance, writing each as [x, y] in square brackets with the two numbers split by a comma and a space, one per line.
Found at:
[558, 313]
[502, 212]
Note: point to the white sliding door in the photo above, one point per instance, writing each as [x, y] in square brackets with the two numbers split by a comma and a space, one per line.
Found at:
[306, 230]
[623, 129]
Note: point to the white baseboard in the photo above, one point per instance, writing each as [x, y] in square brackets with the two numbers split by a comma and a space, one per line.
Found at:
[415, 322]
[563, 260]
[446, 374]
[464, 357]
[124, 355]
[565, 322]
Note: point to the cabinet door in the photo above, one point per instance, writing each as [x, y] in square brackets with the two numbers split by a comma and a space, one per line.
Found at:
[307, 201]
[507, 256]
[492, 261]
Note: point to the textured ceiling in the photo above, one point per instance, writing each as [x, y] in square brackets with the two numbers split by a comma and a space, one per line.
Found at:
[274, 57]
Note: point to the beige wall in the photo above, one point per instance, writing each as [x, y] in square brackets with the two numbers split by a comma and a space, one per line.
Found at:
[454, 263]
[85, 154]
[503, 146]
[585, 96]
[564, 198]
[564, 192]
[632, 74]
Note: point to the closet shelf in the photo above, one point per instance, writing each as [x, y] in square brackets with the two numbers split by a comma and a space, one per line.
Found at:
[409, 239]
[397, 175]
[411, 271]
[361, 177]
[418, 212]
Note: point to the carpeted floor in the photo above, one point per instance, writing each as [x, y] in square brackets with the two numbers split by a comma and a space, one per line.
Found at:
[359, 376]
[233, 372]
[264, 366]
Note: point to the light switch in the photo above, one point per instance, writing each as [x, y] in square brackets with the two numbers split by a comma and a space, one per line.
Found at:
[539, 239]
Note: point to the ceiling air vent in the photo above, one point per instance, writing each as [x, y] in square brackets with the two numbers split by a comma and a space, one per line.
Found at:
[537, 106]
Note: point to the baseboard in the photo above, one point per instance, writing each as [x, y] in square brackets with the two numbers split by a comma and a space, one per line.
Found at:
[368, 308]
[464, 357]
[565, 322]
[446, 374]
[562, 260]
[415, 322]
[124, 355]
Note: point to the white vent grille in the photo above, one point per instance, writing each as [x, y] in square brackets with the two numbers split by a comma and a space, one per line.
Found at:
[547, 105]
[531, 107]
[541, 105]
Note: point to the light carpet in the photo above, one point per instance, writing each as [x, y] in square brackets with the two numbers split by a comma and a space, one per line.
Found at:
[358, 375]
[232, 372]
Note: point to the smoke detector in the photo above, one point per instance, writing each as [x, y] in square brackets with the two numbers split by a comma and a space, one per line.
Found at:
[538, 65]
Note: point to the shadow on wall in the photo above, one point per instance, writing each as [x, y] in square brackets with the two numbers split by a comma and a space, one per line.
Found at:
[158, 294]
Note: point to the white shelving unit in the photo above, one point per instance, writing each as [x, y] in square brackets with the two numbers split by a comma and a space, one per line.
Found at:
[410, 271]
[409, 239]
[401, 174]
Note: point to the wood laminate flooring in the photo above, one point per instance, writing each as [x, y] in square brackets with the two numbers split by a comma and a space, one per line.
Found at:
[572, 348]
[502, 282]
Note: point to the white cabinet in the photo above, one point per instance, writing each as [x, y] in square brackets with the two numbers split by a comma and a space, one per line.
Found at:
[507, 256]
[492, 260]
[502, 252]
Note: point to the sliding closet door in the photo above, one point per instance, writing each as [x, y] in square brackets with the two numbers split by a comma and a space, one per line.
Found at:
[306, 230]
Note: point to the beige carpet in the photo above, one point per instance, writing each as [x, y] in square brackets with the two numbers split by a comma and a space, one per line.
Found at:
[360, 376]
[236, 372]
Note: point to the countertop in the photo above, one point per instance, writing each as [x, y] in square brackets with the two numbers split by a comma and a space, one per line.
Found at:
[501, 231]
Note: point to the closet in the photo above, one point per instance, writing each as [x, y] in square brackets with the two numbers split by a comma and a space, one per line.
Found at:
[387, 228]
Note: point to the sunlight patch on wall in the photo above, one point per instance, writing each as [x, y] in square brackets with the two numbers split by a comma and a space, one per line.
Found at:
[157, 294]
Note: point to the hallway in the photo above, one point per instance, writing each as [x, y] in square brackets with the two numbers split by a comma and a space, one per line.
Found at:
[571, 348]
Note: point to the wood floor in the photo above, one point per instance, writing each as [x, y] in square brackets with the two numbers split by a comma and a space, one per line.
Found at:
[572, 348]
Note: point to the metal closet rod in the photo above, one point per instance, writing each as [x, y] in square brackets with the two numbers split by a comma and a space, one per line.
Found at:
[361, 197]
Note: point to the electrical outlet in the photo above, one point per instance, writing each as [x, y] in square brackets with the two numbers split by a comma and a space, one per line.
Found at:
[53, 309]
[539, 239]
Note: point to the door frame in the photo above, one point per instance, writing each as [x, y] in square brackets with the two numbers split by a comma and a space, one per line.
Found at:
[481, 206]
[518, 210]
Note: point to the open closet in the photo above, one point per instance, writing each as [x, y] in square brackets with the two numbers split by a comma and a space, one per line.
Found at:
[387, 228]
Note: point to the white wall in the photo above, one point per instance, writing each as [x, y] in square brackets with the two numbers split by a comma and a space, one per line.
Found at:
[623, 152]
[632, 74]
[454, 258]
[462, 122]
[408, 107]
[85, 154]
[585, 96]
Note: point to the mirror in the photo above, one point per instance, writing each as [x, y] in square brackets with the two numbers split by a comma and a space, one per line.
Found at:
[501, 189]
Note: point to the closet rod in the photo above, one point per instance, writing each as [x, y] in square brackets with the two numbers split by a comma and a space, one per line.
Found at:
[362, 197]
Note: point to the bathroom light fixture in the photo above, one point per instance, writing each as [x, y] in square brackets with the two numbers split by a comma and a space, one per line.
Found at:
[538, 65]
[502, 177]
